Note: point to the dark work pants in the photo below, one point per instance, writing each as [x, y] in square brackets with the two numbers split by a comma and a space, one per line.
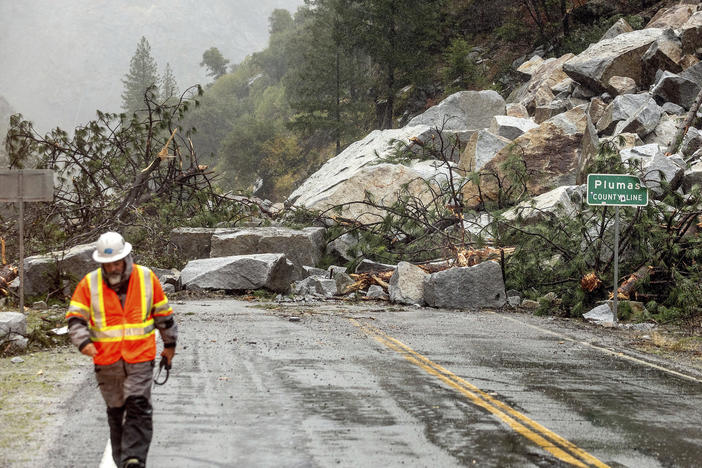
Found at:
[126, 389]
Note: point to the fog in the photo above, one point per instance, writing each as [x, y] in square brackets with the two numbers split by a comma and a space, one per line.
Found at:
[63, 59]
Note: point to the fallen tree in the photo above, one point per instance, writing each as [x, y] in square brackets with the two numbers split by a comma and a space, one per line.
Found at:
[138, 174]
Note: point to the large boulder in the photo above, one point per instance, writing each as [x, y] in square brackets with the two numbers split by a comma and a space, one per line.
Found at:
[343, 247]
[620, 27]
[665, 131]
[301, 246]
[12, 322]
[664, 54]
[192, 243]
[481, 148]
[692, 177]
[463, 112]
[406, 284]
[315, 285]
[43, 273]
[550, 154]
[13, 331]
[596, 109]
[516, 109]
[544, 112]
[239, 272]
[675, 16]
[510, 127]
[691, 33]
[602, 314]
[691, 142]
[473, 287]
[621, 85]
[385, 183]
[680, 89]
[538, 91]
[333, 183]
[561, 201]
[669, 168]
[589, 149]
[530, 67]
[643, 121]
[655, 167]
[618, 56]
[624, 107]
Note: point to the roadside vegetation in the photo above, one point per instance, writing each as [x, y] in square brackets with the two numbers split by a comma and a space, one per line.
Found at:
[565, 259]
[208, 156]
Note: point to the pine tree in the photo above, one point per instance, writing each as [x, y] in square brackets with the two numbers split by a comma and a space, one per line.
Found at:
[327, 75]
[142, 76]
[169, 87]
[215, 62]
[397, 34]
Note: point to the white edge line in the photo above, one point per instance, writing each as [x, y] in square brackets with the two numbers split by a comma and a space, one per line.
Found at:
[608, 351]
[107, 461]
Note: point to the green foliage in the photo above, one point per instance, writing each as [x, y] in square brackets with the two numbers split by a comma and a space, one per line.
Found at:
[240, 152]
[274, 60]
[582, 35]
[513, 29]
[549, 304]
[555, 253]
[580, 38]
[215, 62]
[460, 70]
[280, 21]
[325, 82]
[109, 176]
[140, 83]
[398, 42]
[635, 21]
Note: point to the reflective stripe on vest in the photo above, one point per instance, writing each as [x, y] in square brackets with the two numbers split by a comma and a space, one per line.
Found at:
[99, 330]
[147, 290]
[78, 309]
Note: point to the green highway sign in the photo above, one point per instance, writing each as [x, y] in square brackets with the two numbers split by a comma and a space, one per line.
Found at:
[615, 190]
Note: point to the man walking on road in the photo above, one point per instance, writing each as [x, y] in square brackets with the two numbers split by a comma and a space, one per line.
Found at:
[113, 316]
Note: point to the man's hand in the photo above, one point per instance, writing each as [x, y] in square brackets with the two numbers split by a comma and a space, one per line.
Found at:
[89, 350]
[168, 353]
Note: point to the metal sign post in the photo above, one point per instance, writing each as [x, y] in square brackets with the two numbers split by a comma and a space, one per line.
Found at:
[32, 185]
[616, 190]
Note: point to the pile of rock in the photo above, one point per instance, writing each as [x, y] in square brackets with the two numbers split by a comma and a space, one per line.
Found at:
[284, 260]
[631, 89]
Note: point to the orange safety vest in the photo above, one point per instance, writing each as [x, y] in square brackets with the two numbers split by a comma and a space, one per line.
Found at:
[127, 333]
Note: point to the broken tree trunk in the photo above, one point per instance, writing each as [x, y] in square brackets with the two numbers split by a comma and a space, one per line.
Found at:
[628, 286]
[7, 274]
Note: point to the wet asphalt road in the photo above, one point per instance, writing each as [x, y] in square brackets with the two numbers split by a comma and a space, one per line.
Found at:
[383, 386]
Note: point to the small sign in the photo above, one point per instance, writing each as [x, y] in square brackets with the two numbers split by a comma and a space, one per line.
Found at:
[36, 185]
[616, 190]
[25, 185]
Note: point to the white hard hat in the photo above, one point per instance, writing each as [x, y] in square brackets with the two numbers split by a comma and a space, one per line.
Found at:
[111, 247]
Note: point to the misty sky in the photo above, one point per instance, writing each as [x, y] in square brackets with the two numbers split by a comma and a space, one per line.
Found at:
[63, 59]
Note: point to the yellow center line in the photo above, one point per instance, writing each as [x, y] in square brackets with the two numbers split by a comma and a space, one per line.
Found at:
[538, 434]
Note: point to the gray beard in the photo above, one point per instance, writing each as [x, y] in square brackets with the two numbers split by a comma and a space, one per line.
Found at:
[114, 279]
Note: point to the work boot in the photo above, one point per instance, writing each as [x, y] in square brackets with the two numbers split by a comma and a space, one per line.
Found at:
[133, 463]
[137, 428]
